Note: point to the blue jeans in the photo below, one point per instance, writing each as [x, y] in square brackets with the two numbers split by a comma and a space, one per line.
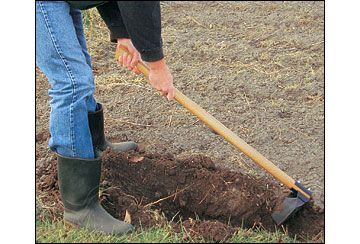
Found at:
[62, 55]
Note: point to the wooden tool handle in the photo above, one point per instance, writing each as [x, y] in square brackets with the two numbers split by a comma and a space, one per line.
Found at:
[222, 130]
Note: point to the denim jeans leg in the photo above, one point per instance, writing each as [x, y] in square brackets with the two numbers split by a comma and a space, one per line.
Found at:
[79, 29]
[59, 55]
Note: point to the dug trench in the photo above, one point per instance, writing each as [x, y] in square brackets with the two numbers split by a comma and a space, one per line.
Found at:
[153, 189]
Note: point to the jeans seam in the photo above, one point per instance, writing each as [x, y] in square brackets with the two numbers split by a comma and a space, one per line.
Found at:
[73, 81]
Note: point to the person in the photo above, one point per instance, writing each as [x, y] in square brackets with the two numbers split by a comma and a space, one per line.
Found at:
[76, 119]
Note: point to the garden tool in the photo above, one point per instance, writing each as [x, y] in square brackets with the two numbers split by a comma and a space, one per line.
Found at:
[299, 194]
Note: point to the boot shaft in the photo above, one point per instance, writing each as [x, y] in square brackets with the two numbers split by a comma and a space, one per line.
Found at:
[79, 181]
[96, 125]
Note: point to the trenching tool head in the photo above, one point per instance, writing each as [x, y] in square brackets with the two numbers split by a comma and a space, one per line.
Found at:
[291, 204]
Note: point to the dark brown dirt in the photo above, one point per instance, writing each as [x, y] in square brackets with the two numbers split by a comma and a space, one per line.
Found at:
[154, 188]
[195, 186]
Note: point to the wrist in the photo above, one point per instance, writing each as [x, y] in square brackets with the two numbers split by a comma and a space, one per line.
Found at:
[157, 65]
[122, 39]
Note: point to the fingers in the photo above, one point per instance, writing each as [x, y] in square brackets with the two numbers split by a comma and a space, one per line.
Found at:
[131, 58]
[135, 60]
[136, 70]
[130, 61]
[171, 93]
[123, 59]
[120, 60]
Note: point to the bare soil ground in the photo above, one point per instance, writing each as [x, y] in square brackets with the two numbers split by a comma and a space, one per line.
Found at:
[256, 66]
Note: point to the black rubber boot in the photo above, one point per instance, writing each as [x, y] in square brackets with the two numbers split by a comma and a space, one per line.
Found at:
[79, 181]
[96, 124]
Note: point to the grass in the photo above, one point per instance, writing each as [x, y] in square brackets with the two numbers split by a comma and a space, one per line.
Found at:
[50, 232]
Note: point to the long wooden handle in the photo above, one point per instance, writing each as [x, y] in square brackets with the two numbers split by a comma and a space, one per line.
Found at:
[222, 130]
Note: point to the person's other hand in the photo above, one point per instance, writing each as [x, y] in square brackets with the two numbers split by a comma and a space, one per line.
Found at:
[126, 60]
[161, 79]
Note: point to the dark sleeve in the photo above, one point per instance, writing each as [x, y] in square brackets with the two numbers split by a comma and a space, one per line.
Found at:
[142, 20]
[111, 15]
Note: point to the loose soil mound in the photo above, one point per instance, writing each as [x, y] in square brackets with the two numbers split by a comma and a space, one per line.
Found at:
[211, 202]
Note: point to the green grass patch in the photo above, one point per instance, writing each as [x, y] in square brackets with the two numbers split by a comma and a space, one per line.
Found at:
[50, 232]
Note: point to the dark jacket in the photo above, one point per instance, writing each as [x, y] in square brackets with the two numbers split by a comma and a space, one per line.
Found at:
[138, 20]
